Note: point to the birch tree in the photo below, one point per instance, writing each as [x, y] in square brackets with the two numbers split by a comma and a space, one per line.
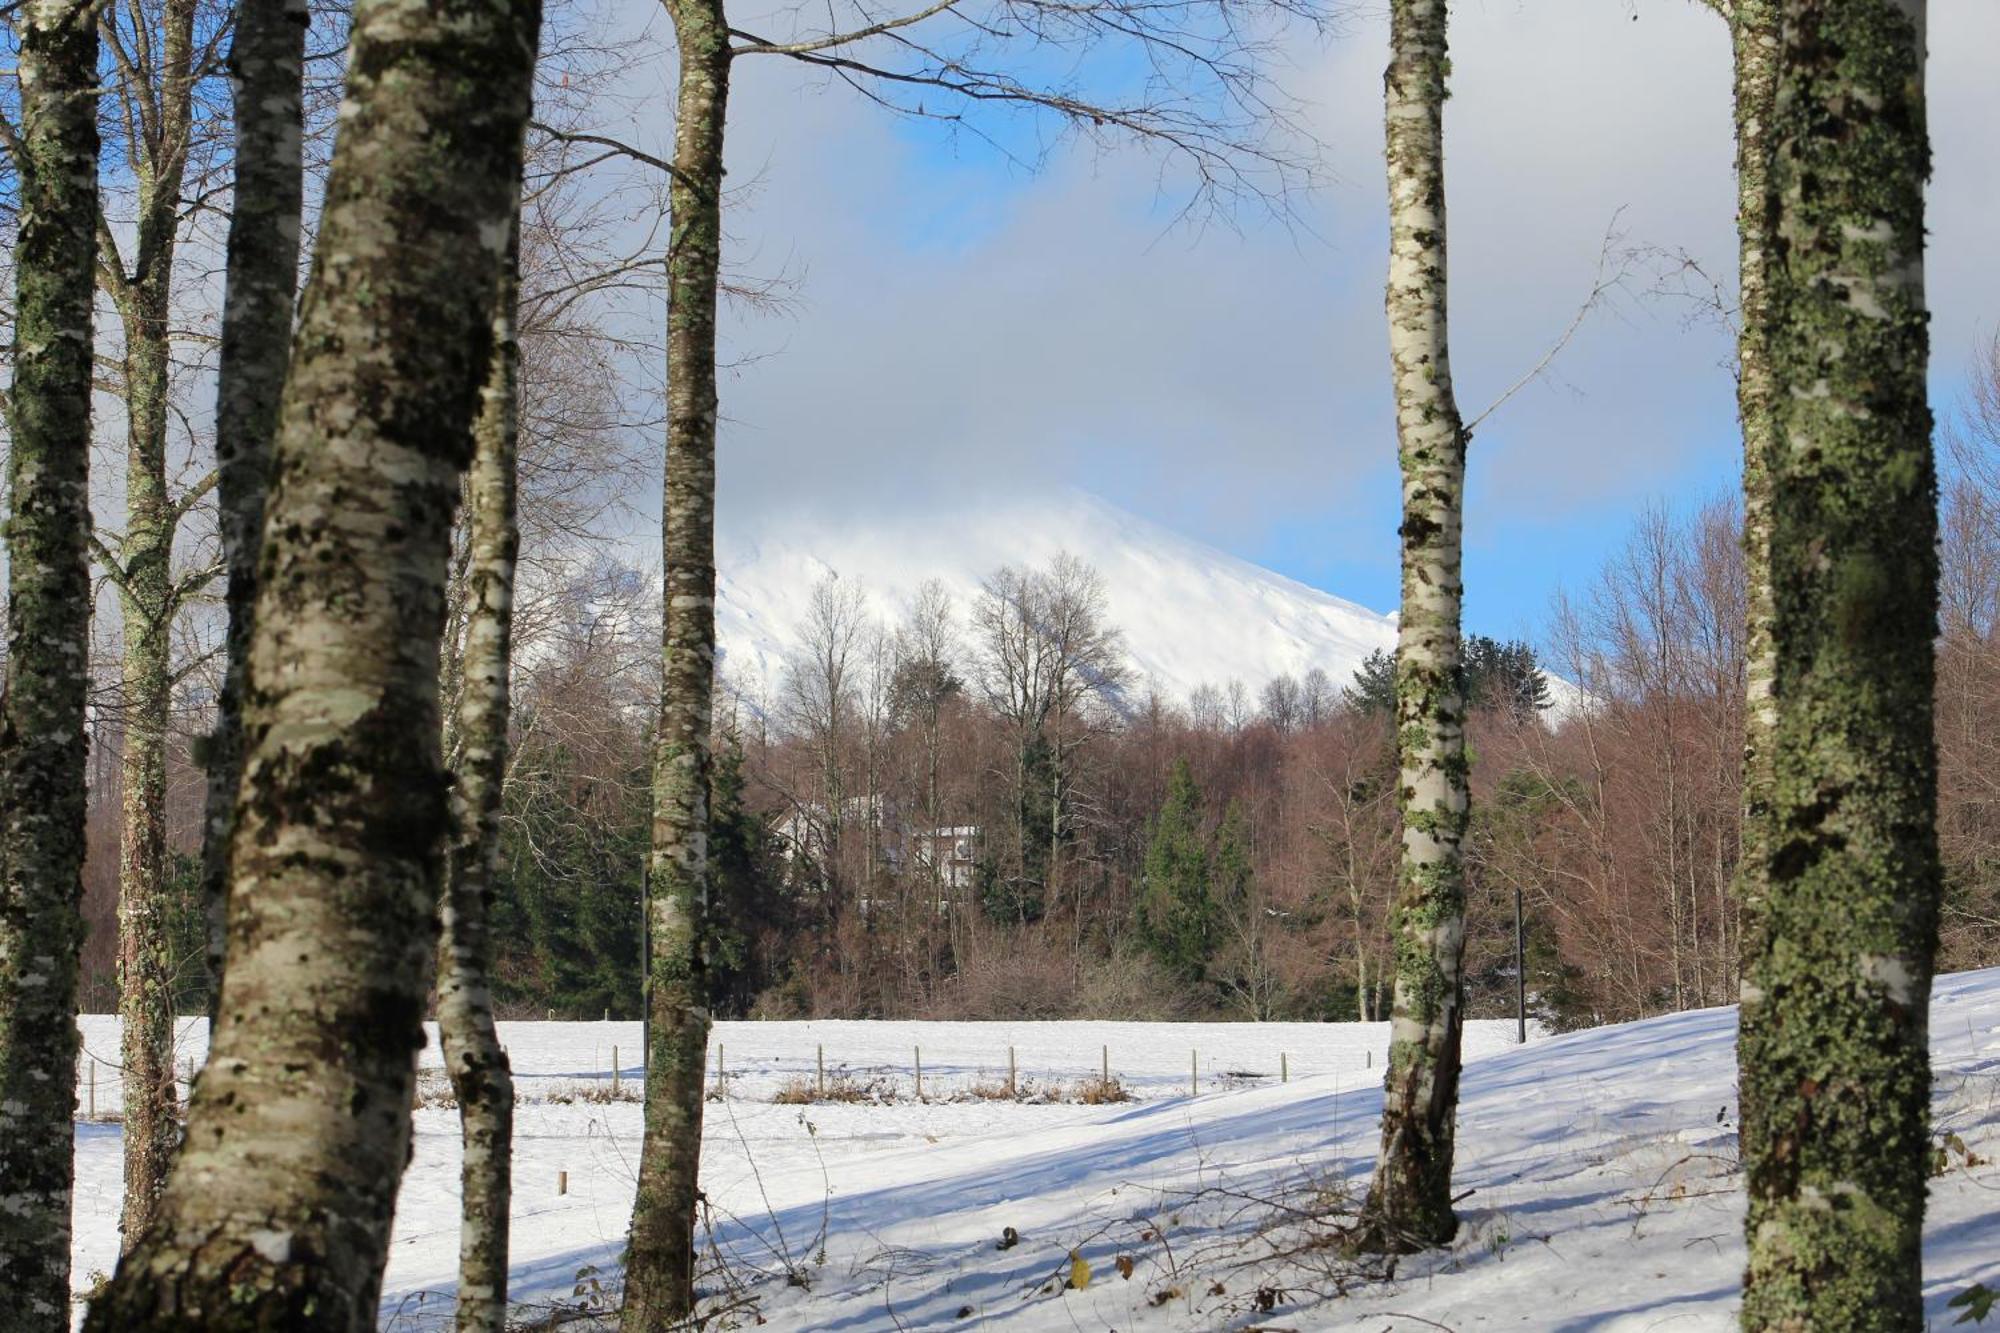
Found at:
[1753, 35]
[1835, 1076]
[474, 1058]
[1409, 1199]
[277, 1213]
[1207, 103]
[267, 65]
[42, 739]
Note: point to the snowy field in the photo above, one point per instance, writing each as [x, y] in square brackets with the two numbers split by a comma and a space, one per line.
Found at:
[1601, 1166]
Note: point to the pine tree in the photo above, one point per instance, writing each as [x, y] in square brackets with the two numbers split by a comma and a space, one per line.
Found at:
[278, 1209]
[42, 738]
[1176, 905]
[1833, 1046]
[1409, 1198]
[1374, 686]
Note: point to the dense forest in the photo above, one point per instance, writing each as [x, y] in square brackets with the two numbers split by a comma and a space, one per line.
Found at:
[1023, 830]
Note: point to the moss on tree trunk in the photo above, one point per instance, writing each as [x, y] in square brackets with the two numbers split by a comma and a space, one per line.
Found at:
[278, 1210]
[42, 739]
[1834, 1053]
[659, 1262]
[1409, 1198]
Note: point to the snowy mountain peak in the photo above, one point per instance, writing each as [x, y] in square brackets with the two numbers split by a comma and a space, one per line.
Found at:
[1190, 614]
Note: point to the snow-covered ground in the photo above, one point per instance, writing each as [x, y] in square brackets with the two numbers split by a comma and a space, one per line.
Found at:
[1600, 1165]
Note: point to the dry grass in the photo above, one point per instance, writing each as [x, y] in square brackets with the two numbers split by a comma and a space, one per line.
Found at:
[434, 1091]
[1100, 1092]
[844, 1088]
[596, 1092]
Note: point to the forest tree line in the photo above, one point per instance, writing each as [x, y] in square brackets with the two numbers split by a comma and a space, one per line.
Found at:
[1260, 821]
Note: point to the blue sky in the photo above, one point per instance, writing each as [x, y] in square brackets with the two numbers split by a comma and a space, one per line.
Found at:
[964, 325]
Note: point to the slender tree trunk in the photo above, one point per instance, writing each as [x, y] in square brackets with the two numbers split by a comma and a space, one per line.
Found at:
[472, 1051]
[1835, 1073]
[1754, 38]
[278, 1210]
[1409, 1199]
[659, 1263]
[145, 579]
[42, 738]
[267, 62]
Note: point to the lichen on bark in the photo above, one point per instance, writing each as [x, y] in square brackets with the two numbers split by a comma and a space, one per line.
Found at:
[267, 66]
[1409, 1198]
[277, 1213]
[42, 737]
[1833, 1050]
[660, 1254]
[474, 1058]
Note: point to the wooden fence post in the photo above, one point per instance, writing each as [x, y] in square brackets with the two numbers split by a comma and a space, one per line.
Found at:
[1012, 1090]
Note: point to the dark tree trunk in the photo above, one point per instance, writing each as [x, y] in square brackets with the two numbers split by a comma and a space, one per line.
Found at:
[42, 739]
[1835, 1073]
[267, 62]
[278, 1210]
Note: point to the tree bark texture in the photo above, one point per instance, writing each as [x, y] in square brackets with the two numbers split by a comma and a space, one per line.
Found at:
[147, 603]
[277, 1214]
[659, 1264]
[42, 738]
[1409, 1199]
[267, 62]
[473, 1055]
[1754, 39]
[1833, 1048]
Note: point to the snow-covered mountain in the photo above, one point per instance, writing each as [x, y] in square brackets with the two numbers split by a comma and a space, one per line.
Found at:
[1190, 614]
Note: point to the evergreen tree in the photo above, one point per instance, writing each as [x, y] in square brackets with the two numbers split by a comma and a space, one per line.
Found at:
[748, 909]
[1176, 906]
[1374, 687]
[1505, 676]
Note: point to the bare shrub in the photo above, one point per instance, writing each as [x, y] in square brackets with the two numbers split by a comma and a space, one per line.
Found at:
[1099, 1091]
[597, 1092]
[842, 1087]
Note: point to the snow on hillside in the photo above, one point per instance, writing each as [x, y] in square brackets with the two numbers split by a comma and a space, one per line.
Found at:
[1601, 1165]
[1191, 614]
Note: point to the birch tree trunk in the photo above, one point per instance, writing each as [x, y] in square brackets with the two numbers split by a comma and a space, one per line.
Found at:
[278, 1210]
[1835, 1074]
[473, 1056]
[1409, 1199]
[1754, 36]
[143, 572]
[267, 63]
[42, 739]
[659, 1263]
